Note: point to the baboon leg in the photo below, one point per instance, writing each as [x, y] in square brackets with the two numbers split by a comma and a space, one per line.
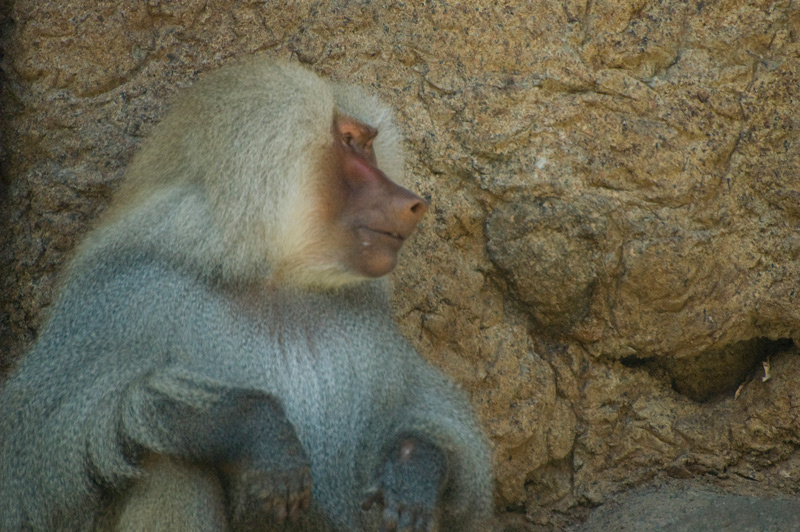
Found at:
[174, 496]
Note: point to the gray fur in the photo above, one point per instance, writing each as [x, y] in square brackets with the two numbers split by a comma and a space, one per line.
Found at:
[144, 320]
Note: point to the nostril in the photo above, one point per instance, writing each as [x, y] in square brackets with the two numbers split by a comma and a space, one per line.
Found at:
[418, 208]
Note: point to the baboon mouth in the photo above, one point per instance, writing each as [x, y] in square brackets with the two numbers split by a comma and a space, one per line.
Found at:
[391, 234]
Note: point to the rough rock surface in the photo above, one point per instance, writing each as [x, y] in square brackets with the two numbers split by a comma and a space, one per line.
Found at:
[690, 508]
[611, 258]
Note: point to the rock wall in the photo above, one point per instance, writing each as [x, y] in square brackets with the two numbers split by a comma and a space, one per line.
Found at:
[610, 263]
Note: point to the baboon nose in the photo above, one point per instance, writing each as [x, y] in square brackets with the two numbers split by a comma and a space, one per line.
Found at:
[410, 209]
[406, 209]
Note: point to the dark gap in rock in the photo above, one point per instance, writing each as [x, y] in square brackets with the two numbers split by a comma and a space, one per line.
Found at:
[633, 361]
[713, 374]
[721, 372]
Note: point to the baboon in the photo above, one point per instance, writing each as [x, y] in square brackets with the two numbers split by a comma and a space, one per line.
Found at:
[222, 355]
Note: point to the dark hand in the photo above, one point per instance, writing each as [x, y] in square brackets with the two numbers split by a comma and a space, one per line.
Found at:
[259, 498]
[407, 487]
[271, 484]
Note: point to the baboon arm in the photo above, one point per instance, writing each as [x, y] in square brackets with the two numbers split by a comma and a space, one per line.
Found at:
[243, 433]
[438, 412]
[178, 413]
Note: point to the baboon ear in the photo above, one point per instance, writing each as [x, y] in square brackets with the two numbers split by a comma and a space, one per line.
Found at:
[355, 135]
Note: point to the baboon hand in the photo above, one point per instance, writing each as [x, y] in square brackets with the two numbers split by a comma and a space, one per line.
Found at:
[407, 487]
[260, 498]
[271, 483]
[400, 516]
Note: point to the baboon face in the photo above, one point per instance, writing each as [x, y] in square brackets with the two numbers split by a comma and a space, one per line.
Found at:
[370, 216]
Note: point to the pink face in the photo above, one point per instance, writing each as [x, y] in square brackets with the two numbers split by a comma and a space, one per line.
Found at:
[369, 214]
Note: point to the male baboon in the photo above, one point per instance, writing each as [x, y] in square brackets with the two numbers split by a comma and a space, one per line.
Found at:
[222, 355]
